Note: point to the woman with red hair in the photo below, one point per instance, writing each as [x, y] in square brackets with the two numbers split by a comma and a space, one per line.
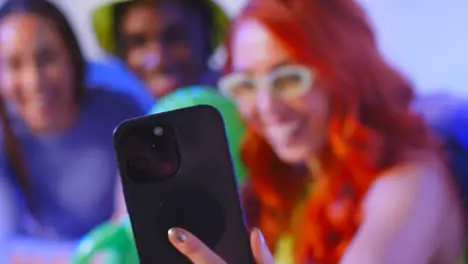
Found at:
[342, 171]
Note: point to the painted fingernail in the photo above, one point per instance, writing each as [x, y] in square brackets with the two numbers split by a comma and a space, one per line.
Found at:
[260, 235]
[178, 235]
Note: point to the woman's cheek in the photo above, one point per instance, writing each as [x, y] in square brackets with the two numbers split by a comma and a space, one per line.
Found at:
[250, 115]
[245, 110]
[7, 84]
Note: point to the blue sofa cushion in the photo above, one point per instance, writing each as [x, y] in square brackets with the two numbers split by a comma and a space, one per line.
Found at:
[448, 117]
[112, 74]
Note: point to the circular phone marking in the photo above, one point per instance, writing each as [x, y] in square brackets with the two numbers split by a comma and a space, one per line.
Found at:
[196, 211]
[158, 131]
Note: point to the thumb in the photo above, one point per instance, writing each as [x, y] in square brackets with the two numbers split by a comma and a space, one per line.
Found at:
[260, 250]
[192, 247]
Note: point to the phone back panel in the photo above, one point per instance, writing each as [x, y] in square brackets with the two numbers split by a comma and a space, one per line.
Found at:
[202, 196]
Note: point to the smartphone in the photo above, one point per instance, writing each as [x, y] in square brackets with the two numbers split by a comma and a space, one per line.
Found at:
[176, 171]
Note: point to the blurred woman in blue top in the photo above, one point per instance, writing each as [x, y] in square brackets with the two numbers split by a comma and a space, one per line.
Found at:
[56, 155]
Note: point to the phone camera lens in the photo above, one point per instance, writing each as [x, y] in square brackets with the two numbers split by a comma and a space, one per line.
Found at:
[167, 167]
[151, 152]
[158, 131]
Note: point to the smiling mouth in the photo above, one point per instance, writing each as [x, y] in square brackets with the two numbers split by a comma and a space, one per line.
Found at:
[39, 101]
[162, 84]
[42, 105]
[287, 128]
[42, 100]
[285, 133]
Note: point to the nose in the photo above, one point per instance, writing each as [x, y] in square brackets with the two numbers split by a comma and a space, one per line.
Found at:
[153, 57]
[32, 78]
[267, 105]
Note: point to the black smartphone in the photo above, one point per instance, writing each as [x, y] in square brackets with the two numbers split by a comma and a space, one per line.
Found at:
[176, 171]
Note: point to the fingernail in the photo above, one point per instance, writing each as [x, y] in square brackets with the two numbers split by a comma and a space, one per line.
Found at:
[178, 235]
[262, 238]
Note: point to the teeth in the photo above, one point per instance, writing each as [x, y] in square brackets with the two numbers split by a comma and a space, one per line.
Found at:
[42, 100]
[284, 129]
[162, 79]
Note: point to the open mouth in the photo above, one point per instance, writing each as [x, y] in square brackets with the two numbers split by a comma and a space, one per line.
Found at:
[42, 100]
[162, 84]
[40, 103]
[285, 133]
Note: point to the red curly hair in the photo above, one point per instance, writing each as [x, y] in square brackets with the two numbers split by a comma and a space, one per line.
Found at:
[370, 129]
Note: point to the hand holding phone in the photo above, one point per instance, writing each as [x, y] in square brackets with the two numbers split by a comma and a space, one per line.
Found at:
[176, 171]
[199, 253]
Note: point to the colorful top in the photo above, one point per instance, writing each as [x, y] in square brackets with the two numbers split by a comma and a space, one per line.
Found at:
[284, 250]
[285, 246]
[284, 253]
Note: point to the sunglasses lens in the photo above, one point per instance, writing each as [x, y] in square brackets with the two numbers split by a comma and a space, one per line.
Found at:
[243, 88]
[290, 83]
[238, 87]
[285, 82]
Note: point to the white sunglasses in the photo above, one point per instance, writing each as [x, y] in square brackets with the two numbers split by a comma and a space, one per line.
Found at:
[286, 82]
